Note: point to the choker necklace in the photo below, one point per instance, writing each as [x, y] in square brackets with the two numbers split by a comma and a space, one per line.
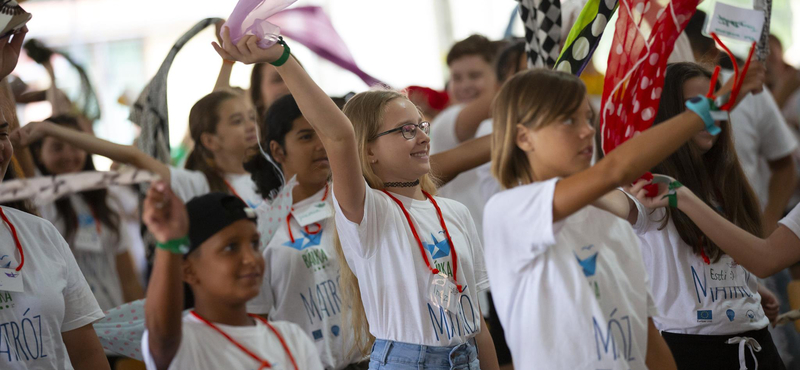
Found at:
[409, 184]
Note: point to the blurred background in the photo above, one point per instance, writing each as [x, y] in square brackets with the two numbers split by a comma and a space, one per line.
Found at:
[121, 44]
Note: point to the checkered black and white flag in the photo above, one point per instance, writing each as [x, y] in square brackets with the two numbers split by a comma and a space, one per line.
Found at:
[542, 19]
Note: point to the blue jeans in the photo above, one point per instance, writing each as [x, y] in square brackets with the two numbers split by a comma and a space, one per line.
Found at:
[390, 355]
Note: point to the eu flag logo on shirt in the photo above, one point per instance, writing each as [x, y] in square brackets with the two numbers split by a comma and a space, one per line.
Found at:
[438, 249]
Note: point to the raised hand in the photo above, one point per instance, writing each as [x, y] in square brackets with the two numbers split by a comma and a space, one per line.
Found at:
[165, 214]
[246, 50]
[29, 133]
[638, 191]
[9, 51]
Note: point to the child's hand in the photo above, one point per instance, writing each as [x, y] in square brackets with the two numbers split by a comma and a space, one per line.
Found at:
[9, 51]
[638, 191]
[770, 304]
[29, 133]
[754, 79]
[165, 214]
[246, 50]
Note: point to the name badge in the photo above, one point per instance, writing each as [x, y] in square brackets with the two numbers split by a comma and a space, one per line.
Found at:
[87, 238]
[316, 212]
[443, 292]
[11, 281]
[736, 23]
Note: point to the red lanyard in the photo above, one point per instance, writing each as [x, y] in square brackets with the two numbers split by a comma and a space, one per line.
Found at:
[264, 363]
[319, 227]
[453, 254]
[233, 190]
[16, 239]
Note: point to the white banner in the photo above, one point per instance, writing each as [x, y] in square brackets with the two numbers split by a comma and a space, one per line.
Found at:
[736, 23]
[46, 189]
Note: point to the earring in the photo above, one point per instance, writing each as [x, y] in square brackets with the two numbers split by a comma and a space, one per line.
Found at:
[374, 161]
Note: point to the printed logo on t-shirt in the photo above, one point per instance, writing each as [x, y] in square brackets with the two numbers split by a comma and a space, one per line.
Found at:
[438, 249]
[7, 263]
[307, 241]
[20, 339]
[704, 316]
[614, 339]
[722, 284]
[751, 315]
[731, 314]
[588, 265]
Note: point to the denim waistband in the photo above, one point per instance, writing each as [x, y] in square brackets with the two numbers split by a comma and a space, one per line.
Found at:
[391, 352]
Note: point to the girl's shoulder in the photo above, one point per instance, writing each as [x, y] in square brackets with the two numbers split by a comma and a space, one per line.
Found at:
[535, 193]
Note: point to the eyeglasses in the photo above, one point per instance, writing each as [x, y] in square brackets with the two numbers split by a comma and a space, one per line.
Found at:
[408, 130]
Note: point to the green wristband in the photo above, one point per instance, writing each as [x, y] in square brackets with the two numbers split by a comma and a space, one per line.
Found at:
[286, 53]
[672, 195]
[177, 246]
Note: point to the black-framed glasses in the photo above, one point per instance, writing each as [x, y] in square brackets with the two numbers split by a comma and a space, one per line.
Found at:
[408, 130]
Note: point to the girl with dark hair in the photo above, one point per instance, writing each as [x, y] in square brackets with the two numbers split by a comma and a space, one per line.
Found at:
[222, 125]
[707, 303]
[266, 86]
[89, 222]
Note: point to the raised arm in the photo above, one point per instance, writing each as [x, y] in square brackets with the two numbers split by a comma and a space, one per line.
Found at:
[763, 257]
[637, 155]
[332, 126]
[473, 153]
[120, 153]
[165, 216]
[473, 113]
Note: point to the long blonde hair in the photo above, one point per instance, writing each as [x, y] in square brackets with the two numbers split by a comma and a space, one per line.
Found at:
[366, 110]
[534, 99]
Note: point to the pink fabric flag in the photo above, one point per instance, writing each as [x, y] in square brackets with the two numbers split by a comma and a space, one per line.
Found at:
[249, 17]
[310, 26]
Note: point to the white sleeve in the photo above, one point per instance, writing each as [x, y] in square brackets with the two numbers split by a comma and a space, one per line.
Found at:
[362, 237]
[520, 221]
[478, 261]
[643, 221]
[792, 220]
[775, 139]
[80, 306]
[188, 184]
[443, 130]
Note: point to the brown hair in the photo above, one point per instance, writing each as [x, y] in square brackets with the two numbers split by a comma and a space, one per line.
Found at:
[532, 98]
[365, 110]
[204, 118]
[96, 199]
[473, 45]
[715, 176]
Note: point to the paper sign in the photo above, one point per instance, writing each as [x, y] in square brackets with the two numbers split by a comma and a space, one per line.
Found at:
[736, 23]
[313, 213]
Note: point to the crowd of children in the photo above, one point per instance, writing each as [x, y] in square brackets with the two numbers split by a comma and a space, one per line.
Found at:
[477, 228]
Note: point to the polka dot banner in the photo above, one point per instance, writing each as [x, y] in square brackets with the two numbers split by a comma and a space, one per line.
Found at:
[585, 35]
[635, 75]
[272, 214]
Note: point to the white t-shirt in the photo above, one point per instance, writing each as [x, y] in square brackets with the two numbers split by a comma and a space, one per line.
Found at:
[188, 184]
[96, 253]
[489, 186]
[393, 277]
[202, 347]
[792, 220]
[571, 294]
[693, 297]
[465, 188]
[760, 135]
[56, 298]
[301, 285]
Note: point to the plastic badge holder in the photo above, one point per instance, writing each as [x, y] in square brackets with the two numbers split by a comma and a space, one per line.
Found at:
[443, 292]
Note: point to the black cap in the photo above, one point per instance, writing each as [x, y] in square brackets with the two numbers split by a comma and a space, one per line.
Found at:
[212, 212]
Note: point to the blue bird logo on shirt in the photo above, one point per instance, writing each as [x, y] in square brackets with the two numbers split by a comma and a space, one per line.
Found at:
[313, 240]
[589, 265]
[439, 249]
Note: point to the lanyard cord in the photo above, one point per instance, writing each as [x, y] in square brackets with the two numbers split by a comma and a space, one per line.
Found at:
[264, 364]
[454, 256]
[16, 239]
[289, 218]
